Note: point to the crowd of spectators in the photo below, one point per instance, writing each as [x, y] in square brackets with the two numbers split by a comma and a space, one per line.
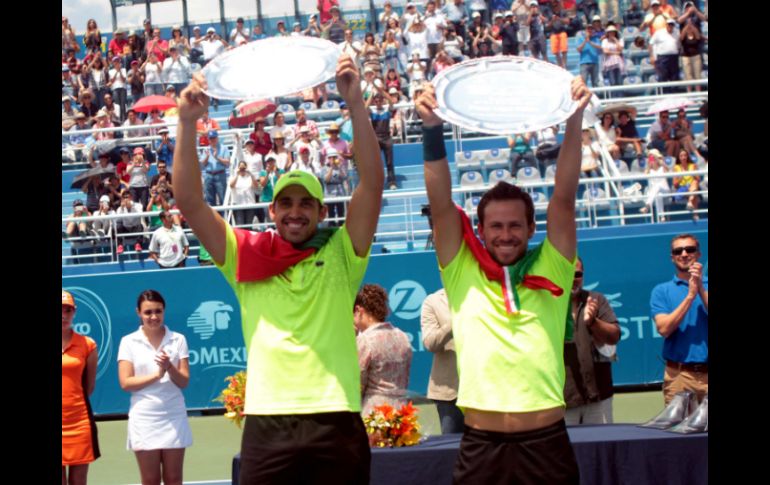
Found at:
[99, 91]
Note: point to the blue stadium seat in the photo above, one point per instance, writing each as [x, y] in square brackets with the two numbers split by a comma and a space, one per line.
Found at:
[540, 200]
[639, 165]
[669, 163]
[646, 67]
[286, 109]
[595, 196]
[629, 33]
[467, 160]
[499, 175]
[528, 174]
[495, 158]
[550, 172]
[471, 204]
[307, 106]
[472, 179]
[621, 166]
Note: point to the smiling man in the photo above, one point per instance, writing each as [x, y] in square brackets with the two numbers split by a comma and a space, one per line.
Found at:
[296, 286]
[680, 308]
[509, 306]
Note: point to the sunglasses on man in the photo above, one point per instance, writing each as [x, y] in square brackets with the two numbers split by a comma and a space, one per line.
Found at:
[678, 251]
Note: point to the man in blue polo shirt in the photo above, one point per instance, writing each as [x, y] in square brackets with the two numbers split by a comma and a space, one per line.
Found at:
[589, 46]
[215, 165]
[680, 310]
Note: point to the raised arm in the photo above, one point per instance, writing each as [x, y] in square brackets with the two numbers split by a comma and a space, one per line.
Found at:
[207, 225]
[560, 226]
[365, 204]
[447, 229]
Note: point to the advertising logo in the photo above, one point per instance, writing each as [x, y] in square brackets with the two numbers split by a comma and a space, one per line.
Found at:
[92, 319]
[209, 317]
[406, 298]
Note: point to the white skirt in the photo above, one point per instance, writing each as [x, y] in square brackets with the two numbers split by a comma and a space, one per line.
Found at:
[159, 430]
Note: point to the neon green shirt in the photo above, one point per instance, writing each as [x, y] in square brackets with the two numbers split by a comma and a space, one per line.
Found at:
[299, 334]
[508, 363]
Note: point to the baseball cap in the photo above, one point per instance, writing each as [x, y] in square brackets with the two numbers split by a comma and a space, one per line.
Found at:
[210, 30]
[80, 116]
[298, 177]
[671, 21]
[249, 141]
[533, 3]
[654, 2]
[104, 198]
[124, 150]
[67, 299]
[134, 63]
[66, 98]
[65, 68]
[162, 130]
[116, 58]
[476, 14]
[393, 90]
[498, 15]
[596, 18]
[611, 28]
[509, 13]
[213, 134]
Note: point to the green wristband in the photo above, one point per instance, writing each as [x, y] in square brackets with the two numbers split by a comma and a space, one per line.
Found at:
[433, 143]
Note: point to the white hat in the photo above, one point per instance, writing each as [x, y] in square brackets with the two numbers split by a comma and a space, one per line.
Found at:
[509, 13]
[498, 15]
[533, 3]
[304, 129]
[596, 18]
[415, 51]
[654, 2]
[332, 152]
[393, 90]
[211, 29]
[476, 14]
[104, 198]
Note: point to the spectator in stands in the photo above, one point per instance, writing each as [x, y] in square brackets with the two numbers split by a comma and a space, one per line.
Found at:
[327, 8]
[589, 165]
[392, 79]
[558, 26]
[476, 27]
[664, 52]
[103, 121]
[196, 46]
[655, 20]
[441, 62]
[68, 39]
[416, 37]
[158, 46]
[596, 23]
[75, 149]
[91, 189]
[69, 83]
[588, 377]
[164, 148]
[258, 34]
[99, 76]
[92, 38]
[521, 151]
[627, 137]
[383, 20]
[633, 17]
[281, 29]
[351, 47]
[112, 109]
[435, 23]
[605, 6]
[520, 12]
[416, 71]
[536, 22]
[171, 94]
[384, 351]
[334, 28]
[279, 125]
[122, 167]
[162, 181]
[346, 124]
[267, 180]
[683, 133]
[686, 183]
[306, 164]
[103, 228]
[453, 44]
[370, 53]
[408, 16]
[203, 126]
[240, 33]
[334, 142]
[436, 326]
[243, 185]
[181, 43]
[370, 83]
[113, 188]
[607, 135]
[117, 45]
[296, 30]
[547, 146]
[302, 122]
[139, 181]
[485, 45]
[154, 120]
[117, 83]
[336, 182]
[589, 47]
[313, 29]
[103, 163]
[152, 69]
[133, 51]
[509, 34]
[691, 40]
[245, 152]
[133, 120]
[380, 116]
[176, 70]
[157, 202]
[613, 64]
[83, 79]
[68, 113]
[147, 35]
[129, 225]
[658, 185]
[169, 246]
[215, 165]
[457, 14]
[136, 82]
[659, 135]
[680, 310]
[212, 45]
[262, 142]
[77, 229]
[304, 140]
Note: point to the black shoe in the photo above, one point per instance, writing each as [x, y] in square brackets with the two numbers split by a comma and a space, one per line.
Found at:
[682, 405]
[697, 422]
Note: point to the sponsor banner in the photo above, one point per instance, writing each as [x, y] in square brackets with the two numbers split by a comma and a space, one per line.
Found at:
[202, 306]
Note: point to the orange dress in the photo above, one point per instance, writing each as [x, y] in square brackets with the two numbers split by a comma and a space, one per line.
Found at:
[79, 444]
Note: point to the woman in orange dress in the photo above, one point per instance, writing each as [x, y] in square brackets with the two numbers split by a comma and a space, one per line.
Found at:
[79, 443]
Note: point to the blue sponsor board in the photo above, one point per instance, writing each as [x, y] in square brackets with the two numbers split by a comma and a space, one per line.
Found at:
[624, 264]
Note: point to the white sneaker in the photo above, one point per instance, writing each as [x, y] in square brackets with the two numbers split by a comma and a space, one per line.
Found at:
[644, 210]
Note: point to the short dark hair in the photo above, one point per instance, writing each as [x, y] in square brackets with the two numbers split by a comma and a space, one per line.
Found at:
[150, 295]
[373, 299]
[506, 191]
[686, 236]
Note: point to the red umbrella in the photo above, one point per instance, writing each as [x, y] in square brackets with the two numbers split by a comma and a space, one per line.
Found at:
[149, 103]
[248, 111]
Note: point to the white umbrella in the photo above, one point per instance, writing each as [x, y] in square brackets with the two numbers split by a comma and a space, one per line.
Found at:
[669, 104]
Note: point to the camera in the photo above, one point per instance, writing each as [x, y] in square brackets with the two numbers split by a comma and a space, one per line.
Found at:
[425, 210]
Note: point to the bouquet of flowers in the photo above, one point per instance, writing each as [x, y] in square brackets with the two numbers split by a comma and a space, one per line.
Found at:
[391, 427]
[233, 396]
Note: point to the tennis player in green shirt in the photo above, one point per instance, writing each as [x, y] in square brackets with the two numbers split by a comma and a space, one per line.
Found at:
[509, 308]
[296, 286]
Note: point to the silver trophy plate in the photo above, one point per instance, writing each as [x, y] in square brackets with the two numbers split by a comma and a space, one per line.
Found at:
[504, 95]
[276, 66]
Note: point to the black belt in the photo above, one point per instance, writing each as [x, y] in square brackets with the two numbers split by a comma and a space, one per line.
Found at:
[216, 173]
[688, 367]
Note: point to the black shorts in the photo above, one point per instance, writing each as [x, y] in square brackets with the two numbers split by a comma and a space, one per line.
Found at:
[538, 457]
[305, 449]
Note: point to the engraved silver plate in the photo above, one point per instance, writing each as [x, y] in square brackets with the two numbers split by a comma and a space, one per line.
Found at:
[504, 95]
[276, 66]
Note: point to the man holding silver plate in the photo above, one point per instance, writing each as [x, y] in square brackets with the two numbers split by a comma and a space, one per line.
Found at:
[509, 304]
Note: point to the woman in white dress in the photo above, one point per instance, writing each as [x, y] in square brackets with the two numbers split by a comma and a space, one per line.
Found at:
[658, 186]
[153, 365]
